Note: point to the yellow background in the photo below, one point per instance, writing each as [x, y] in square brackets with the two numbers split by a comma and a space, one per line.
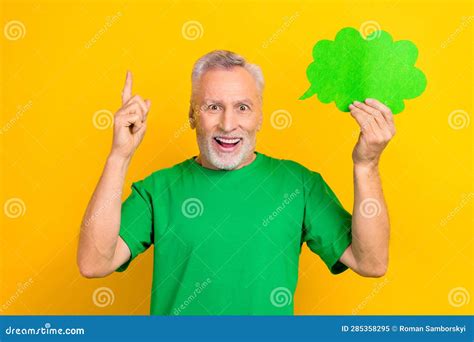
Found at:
[53, 82]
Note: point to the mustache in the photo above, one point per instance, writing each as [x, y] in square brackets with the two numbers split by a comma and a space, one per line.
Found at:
[229, 136]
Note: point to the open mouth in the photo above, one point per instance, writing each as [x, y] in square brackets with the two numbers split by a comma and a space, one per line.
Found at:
[227, 144]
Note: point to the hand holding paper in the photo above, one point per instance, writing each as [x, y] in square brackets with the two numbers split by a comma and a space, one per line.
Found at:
[377, 128]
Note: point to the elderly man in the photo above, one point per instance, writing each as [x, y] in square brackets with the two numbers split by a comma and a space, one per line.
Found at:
[228, 225]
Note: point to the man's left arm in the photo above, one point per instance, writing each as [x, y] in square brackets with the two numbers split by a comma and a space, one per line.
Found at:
[368, 253]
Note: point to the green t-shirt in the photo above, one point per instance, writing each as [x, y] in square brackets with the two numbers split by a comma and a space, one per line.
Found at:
[228, 242]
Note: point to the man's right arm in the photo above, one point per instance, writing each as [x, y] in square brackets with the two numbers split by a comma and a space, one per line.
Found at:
[101, 250]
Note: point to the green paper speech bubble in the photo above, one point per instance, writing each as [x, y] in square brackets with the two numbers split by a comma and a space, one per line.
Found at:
[352, 68]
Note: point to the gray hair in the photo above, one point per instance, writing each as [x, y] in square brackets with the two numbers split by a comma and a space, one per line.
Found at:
[224, 59]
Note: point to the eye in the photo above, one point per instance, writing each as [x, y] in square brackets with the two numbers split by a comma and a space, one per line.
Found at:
[213, 107]
[243, 107]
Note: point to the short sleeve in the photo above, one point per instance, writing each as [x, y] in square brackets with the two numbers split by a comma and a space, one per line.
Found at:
[136, 225]
[327, 225]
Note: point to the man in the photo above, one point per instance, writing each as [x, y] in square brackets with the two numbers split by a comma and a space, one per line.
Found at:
[229, 224]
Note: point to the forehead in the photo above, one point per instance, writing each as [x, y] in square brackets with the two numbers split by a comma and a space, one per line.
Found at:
[223, 84]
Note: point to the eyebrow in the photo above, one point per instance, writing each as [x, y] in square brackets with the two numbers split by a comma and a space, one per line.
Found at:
[245, 100]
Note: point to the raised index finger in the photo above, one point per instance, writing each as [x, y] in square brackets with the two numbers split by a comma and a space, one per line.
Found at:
[127, 89]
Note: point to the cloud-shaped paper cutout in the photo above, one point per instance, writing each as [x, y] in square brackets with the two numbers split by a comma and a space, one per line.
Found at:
[352, 68]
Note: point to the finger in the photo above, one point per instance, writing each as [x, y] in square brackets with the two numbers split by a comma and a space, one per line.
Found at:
[375, 129]
[141, 103]
[367, 123]
[360, 116]
[129, 120]
[379, 118]
[137, 129]
[132, 108]
[387, 113]
[127, 89]
[137, 126]
[148, 105]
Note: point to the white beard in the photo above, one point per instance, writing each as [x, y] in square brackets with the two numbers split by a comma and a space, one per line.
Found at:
[225, 161]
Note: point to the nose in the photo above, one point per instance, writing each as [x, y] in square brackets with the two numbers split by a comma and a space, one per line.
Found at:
[228, 121]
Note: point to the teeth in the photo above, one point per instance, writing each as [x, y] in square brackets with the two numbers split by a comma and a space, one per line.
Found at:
[228, 140]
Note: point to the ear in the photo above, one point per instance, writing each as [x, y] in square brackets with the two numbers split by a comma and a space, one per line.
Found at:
[259, 126]
[192, 117]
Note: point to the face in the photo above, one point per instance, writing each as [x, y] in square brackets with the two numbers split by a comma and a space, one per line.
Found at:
[227, 117]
